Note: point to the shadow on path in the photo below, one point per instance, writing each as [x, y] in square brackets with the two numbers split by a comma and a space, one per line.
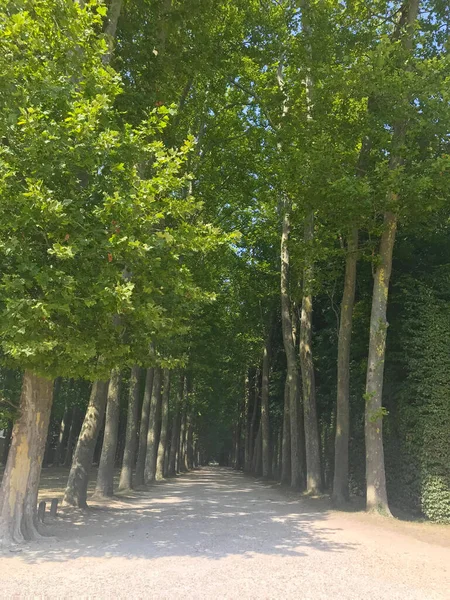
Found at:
[210, 513]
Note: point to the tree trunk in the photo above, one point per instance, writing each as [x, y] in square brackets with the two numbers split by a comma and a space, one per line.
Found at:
[257, 453]
[8, 435]
[72, 435]
[289, 348]
[105, 477]
[251, 442]
[162, 446]
[111, 26]
[143, 429]
[182, 447]
[375, 471]
[175, 438]
[19, 490]
[340, 481]
[247, 419]
[286, 441]
[153, 428]
[265, 424]
[376, 496]
[129, 454]
[190, 443]
[63, 434]
[77, 484]
[312, 443]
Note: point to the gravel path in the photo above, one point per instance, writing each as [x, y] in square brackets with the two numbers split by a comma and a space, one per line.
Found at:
[217, 534]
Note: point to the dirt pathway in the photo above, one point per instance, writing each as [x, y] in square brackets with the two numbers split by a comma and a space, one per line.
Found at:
[217, 534]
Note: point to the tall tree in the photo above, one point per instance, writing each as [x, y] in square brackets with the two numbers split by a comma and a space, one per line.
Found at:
[376, 497]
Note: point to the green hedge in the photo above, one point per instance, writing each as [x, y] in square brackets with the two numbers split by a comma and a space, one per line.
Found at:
[418, 426]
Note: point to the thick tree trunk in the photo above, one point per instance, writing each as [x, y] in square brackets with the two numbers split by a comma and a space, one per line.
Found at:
[375, 471]
[143, 429]
[312, 443]
[19, 491]
[77, 484]
[286, 440]
[340, 481]
[291, 358]
[129, 454]
[265, 424]
[162, 446]
[175, 438]
[105, 477]
[153, 428]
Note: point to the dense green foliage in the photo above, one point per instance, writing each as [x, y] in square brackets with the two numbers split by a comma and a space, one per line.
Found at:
[142, 202]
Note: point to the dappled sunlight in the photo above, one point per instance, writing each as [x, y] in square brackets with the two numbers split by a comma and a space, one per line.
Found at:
[207, 513]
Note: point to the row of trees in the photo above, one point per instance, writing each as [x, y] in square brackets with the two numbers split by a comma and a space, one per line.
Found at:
[209, 188]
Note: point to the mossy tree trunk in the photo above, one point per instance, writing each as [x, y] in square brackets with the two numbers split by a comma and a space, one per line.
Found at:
[19, 490]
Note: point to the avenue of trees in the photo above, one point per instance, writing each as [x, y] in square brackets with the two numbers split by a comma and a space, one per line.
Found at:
[225, 235]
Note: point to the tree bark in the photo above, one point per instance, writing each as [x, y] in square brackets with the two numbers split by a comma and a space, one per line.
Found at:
[19, 490]
[153, 428]
[265, 423]
[162, 446]
[129, 454]
[376, 494]
[175, 437]
[286, 440]
[77, 484]
[340, 480]
[110, 28]
[375, 471]
[143, 429]
[105, 477]
[312, 444]
[291, 358]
